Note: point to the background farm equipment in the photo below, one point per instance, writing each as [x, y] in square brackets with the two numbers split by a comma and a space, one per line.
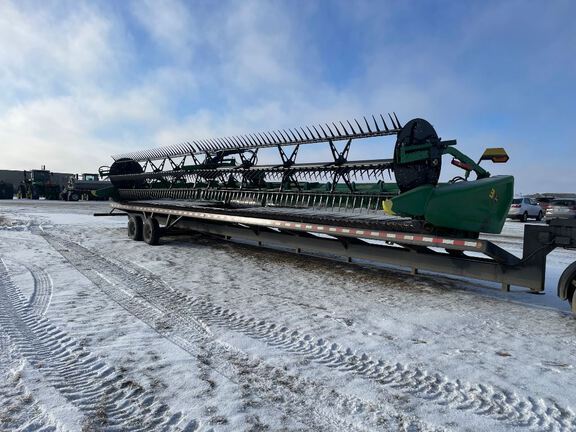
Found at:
[6, 190]
[87, 187]
[226, 170]
[38, 184]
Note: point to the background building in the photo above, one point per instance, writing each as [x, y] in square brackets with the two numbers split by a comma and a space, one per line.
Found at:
[16, 176]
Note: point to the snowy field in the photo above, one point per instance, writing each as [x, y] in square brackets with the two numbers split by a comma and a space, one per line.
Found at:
[98, 332]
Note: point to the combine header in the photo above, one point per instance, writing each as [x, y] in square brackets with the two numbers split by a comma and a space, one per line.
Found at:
[217, 186]
[227, 170]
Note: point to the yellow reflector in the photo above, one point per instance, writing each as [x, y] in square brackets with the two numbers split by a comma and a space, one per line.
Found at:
[496, 155]
[387, 207]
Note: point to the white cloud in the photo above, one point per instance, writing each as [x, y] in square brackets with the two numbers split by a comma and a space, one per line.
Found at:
[80, 82]
[50, 132]
[69, 103]
[47, 51]
[171, 26]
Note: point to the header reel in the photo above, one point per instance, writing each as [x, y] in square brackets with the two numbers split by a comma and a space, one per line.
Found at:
[229, 160]
[417, 155]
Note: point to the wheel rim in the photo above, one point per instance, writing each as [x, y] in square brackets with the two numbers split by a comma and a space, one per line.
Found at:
[572, 298]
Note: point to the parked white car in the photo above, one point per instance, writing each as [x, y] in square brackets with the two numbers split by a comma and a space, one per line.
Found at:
[562, 208]
[524, 208]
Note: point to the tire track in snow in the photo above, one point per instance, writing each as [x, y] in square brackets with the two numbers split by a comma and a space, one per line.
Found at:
[490, 314]
[497, 403]
[42, 293]
[148, 298]
[106, 399]
[18, 409]
[482, 399]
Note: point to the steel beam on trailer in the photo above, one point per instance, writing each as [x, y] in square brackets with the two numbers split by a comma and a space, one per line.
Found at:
[496, 265]
[415, 254]
[528, 276]
[425, 240]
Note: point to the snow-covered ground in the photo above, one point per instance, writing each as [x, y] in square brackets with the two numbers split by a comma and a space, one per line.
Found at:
[98, 332]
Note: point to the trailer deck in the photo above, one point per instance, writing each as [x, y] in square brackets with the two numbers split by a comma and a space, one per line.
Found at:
[341, 224]
[369, 236]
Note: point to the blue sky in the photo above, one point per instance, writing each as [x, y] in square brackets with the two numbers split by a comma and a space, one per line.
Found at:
[84, 80]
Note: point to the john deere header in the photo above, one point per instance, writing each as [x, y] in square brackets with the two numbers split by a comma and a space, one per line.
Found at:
[226, 171]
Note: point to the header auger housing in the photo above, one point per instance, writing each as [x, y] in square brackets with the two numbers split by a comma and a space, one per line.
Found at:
[226, 170]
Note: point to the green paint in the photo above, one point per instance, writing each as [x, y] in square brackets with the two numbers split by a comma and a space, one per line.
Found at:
[476, 206]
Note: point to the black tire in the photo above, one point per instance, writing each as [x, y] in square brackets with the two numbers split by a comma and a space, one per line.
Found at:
[540, 216]
[135, 228]
[567, 286]
[524, 217]
[73, 196]
[35, 193]
[151, 231]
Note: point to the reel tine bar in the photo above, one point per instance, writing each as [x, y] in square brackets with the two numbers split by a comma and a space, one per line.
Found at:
[269, 139]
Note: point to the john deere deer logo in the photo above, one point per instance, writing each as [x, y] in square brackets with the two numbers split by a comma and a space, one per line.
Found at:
[493, 195]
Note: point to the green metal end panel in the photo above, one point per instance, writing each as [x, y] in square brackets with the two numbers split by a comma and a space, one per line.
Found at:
[414, 202]
[474, 206]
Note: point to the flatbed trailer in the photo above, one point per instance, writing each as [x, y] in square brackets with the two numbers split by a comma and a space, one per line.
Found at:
[365, 236]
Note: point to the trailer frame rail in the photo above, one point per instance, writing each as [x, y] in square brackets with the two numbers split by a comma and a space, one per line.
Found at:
[472, 258]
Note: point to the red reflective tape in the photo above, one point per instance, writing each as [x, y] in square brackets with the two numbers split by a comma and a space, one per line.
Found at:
[398, 237]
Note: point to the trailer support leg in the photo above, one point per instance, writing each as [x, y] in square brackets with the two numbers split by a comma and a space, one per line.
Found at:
[505, 287]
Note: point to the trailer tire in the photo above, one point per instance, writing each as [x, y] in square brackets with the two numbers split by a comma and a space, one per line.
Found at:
[151, 231]
[73, 196]
[135, 228]
[567, 285]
